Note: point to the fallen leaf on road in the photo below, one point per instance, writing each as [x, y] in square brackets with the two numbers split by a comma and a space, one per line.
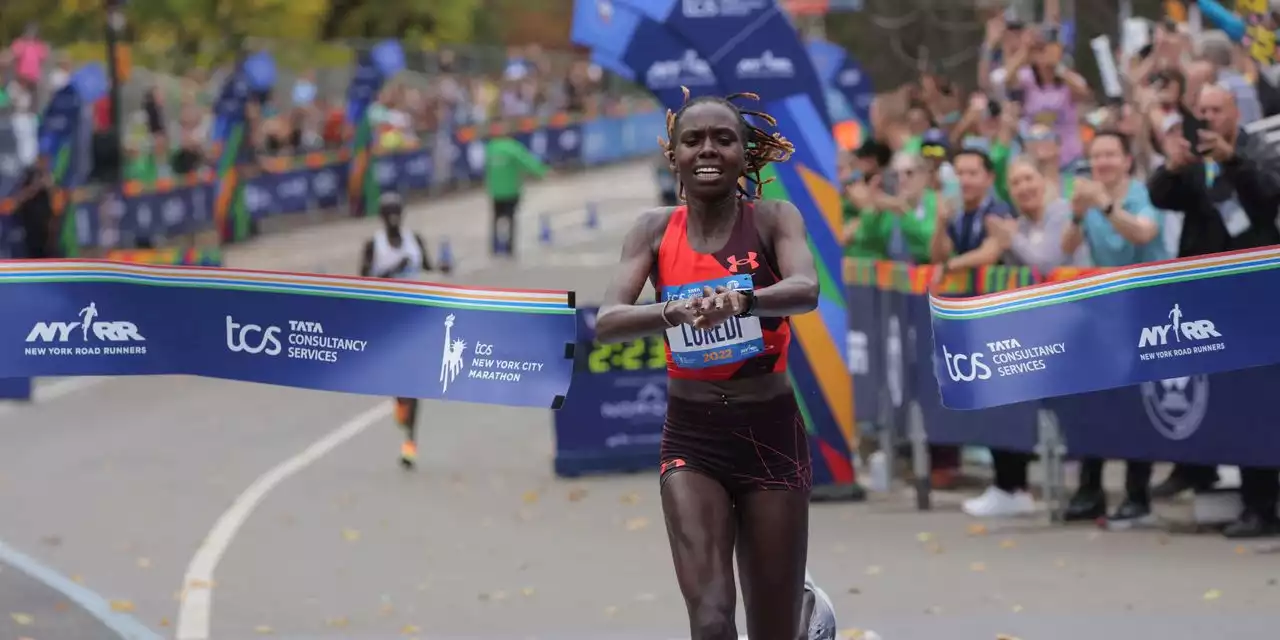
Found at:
[934, 547]
[23, 619]
[636, 524]
[1005, 636]
[1164, 540]
[1241, 550]
[630, 498]
[78, 579]
[977, 529]
[1017, 608]
[386, 609]
[576, 494]
[852, 634]
[977, 567]
[924, 537]
[409, 629]
[62, 607]
[351, 535]
[122, 606]
[164, 622]
[1007, 544]
[611, 611]
[527, 592]
[144, 563]
[1060, 563]
[263, 630]
[874, 570]
[337, 623]
[200, 584]
[530, 497]
[1212, 594]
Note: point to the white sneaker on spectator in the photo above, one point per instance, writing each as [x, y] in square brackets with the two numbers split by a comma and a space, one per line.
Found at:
[995, 503]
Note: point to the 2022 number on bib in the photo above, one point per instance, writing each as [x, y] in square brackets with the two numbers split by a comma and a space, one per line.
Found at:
[734, 340]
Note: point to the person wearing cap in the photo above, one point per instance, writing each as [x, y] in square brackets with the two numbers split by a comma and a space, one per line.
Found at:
[396, 252]
[934, 148]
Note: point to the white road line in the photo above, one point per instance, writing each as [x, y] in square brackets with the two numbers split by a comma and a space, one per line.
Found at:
[54, 390]
[194, 612]
[126, 626]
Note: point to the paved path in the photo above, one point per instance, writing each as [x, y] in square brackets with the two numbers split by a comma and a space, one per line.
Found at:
[115, 484]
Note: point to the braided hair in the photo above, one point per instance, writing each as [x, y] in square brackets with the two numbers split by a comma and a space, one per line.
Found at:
[760, 148]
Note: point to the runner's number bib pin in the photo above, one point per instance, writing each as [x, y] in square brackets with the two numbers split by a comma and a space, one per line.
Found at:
[735, 340]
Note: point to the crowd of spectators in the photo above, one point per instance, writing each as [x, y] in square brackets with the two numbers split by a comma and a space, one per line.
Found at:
[168, 136]
[1035, 167]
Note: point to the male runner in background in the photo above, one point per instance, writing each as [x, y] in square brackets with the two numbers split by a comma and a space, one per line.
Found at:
[396, 252]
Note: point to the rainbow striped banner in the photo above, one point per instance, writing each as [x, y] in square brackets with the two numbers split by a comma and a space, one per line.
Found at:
[332, 333]
[1112, 329]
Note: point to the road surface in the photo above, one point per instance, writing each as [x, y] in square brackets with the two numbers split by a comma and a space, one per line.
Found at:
[289, 509]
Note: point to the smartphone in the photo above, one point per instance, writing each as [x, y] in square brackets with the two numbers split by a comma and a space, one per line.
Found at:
[1191, 128]
[1084, 170]
[993, 108]
[889, 183]
[1016, 95]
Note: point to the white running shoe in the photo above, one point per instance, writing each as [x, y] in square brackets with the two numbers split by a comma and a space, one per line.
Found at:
[995, 503]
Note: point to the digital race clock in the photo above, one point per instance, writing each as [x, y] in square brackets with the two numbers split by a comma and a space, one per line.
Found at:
[645, 354]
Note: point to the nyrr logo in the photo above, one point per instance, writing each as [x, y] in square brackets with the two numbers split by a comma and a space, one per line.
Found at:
[700, 8]
[766, 66]
[62, 332]
[1189, 331]
[1176, 406]
[965, 367]
[251, 338]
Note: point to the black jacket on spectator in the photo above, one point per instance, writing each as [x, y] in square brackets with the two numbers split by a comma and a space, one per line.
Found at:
[1253, 177]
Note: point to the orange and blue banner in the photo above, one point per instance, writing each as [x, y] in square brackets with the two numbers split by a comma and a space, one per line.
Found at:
[694, 44]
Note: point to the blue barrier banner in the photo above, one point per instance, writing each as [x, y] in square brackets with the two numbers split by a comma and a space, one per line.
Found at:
[1122, 328]
[612, 422]
[352, 335]
[15, 388]
[1217, 419]
[862, 346]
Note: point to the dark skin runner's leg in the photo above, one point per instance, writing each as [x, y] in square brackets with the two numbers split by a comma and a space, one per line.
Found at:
[701, 526]
[773, 545]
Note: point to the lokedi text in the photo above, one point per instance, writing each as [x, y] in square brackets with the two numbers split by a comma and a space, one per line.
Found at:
[734, 340]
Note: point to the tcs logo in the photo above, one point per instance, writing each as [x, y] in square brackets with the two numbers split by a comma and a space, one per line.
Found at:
[251, 338]
[966, 368]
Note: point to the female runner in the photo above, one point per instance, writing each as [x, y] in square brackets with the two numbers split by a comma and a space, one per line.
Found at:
[728, 269]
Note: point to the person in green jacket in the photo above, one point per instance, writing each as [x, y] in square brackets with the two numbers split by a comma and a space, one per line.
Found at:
[506, 164]
[893, 226]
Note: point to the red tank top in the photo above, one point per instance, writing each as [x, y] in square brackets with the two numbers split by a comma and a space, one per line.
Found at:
[741, 347]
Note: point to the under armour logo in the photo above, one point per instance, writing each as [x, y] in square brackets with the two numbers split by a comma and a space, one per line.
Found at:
[733, 262]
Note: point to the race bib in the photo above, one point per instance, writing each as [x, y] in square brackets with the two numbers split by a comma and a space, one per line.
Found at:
[734, 340]
[1234, 217]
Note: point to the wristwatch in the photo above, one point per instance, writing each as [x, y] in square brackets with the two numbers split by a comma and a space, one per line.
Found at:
[1109, 209]
[750, 295]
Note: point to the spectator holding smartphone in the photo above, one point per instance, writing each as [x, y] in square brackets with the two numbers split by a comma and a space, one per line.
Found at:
[1227, 186]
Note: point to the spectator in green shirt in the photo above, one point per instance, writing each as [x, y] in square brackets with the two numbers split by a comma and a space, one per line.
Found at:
[908, 216]
[506, 164]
